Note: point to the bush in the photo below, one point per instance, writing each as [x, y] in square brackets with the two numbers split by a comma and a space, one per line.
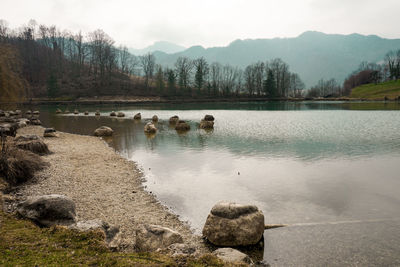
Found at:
[18, 166]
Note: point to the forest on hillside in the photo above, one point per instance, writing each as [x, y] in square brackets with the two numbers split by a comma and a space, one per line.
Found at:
[39, 61]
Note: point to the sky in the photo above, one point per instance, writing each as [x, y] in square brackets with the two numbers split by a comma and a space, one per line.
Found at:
[209, 23]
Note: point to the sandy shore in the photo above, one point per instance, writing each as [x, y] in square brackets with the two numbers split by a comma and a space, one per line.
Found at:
[102, 184]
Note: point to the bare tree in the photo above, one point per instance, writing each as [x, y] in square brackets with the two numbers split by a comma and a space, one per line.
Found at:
[148, 63]
[184, 66]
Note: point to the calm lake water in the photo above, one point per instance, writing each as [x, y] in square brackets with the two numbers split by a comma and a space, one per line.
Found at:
[298, 162]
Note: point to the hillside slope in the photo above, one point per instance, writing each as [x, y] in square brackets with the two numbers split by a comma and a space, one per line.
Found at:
[313, 55]
[390, 89]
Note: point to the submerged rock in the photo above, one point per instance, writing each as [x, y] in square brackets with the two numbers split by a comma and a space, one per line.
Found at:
[48, 210]
[231, 255]
[182, 126]
[153, 237]
[103, 131]
[231, 224]
[137, 116]
[149, 128]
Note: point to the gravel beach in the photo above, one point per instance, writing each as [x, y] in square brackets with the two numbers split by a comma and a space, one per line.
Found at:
[102, 184]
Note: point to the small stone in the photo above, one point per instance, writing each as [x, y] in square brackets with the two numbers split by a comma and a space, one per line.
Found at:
[231, 255]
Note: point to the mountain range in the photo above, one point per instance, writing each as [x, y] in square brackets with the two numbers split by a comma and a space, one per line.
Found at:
[313, 55]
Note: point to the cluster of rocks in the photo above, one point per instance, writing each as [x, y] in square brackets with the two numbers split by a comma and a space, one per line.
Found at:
[10, 121]
[49, 210]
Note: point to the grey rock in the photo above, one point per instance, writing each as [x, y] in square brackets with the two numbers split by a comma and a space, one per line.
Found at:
[153, 237]
[120, 114]
[149, 128]
[48, 210]
[154, 118]
[179, 249]
[231, 255]
[92, 225]
[209, 118]
[49, 132]
[103, 131]
[113, 114]
[231, 224]
[182, 126]
[173, 119]
[206, 124]
[137, 116]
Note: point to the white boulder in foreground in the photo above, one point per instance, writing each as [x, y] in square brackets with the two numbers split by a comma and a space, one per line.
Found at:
[153, 237]
[103, 131]
[48, 210]
[231, 255]
[231, 224]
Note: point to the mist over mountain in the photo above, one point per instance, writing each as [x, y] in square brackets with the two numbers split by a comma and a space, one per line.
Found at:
[313, 55]
[162, 46]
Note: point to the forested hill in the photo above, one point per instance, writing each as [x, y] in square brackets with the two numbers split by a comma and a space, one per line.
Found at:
[313, 55]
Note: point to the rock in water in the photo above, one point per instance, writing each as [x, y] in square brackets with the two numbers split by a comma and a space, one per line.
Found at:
[48, 210]
[49, 132]
[206, 124]
[113, 114]
[86, 113]
[209, 118]
[120, 114]
[153, 237]
[231, 224]
[149, 128]
[154, 118]
[58, 111]
[231, 255]
[103, 131]
[182, 126]
[97, 113]
[173, 119]
[137, 116]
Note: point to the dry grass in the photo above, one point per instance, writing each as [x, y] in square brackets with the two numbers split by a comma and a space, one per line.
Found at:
[18, 166]
[36, 146]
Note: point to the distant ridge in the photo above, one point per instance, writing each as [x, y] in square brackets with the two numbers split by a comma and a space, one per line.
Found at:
[162, 46]
[313, 55]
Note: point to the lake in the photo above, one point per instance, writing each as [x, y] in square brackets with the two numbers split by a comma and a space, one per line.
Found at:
[306, 164]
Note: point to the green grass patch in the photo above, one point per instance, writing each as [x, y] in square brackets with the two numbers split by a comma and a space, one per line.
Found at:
[22, 243]
[390, 89]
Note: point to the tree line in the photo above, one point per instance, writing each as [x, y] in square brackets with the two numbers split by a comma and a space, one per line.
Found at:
[58, 63]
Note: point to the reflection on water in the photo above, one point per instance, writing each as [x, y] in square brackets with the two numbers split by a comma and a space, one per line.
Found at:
[299, 162]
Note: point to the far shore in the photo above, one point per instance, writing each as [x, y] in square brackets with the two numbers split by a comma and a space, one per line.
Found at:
[175, 100]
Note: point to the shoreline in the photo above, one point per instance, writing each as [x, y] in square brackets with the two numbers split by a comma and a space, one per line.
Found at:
[103, 185]
[159, 100]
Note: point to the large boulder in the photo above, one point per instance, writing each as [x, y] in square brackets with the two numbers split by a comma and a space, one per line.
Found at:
[103, 131]
[231, 255]
[149, 128]
[231, 224]
[182, 126]
[48, 210]
[153, 237]
[137, 116]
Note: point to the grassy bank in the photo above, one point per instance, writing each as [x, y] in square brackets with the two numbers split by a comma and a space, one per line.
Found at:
[24, 244]
[390, 89]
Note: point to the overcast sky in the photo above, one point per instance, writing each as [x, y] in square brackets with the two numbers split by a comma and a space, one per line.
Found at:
[207, 22]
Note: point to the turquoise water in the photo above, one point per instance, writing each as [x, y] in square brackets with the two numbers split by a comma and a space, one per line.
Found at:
[298, 162]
